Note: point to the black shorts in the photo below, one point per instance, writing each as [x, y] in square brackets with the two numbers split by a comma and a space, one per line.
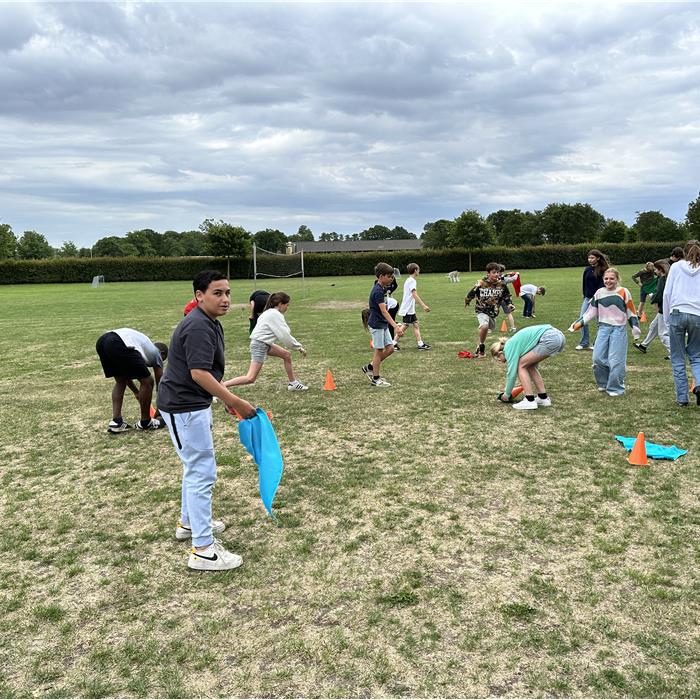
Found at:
[118, 360]
[408, 319]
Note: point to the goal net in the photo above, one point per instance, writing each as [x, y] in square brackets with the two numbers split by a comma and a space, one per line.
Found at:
[98, 280]
[267, 264]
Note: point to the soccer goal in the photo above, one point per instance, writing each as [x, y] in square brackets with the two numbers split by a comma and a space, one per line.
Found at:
[267, 264]
[98, 281]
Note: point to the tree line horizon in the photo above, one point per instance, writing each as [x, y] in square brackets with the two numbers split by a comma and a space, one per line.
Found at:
[555, 224]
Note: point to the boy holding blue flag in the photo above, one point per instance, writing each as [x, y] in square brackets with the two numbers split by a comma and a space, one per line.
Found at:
[193, 377]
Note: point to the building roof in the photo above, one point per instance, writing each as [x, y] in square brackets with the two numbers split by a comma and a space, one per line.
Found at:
[357, 246]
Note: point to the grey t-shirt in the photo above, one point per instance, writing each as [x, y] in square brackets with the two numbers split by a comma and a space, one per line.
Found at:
[197, 343]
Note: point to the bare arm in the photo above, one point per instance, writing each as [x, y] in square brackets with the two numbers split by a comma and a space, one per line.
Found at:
[420, 301]
[206, 380]
[389, 320]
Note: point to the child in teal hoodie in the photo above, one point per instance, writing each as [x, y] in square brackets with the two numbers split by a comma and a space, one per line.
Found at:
[522, 354]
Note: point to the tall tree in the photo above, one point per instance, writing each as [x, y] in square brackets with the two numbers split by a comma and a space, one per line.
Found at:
[332, 236]
[271, 239]
[375, 233]
[114, 247]
[8, 242]
[614, 231]
[303, 234]
[193, 242]
[171, 244]
[33, 246]
[654, 226]
[471, 230]
[225, 240]
[436, 234]
[692, 219]
[520, 228]
[570, 223]
[68, 250]
[399, 233]
[146, 241]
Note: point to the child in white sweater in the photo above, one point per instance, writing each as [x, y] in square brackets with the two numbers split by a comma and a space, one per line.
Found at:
[272, 327]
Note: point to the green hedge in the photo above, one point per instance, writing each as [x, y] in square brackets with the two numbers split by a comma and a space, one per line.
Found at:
[82, 270]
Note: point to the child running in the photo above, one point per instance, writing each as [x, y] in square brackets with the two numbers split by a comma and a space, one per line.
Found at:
[657, 326]
[612, 305]
[647, 281]
[408, 305]
[378, 323]
[270, 327]
[490, 292]
[522, 353]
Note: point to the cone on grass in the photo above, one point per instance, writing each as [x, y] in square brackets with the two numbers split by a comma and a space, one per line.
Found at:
[504, 327]
[638, 456]
[516, 392]
[330, 384]
[643, 317]
[152, 411]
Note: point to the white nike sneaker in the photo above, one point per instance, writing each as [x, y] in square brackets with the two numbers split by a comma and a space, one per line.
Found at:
[525, 405]
[214, 558]
[184, 532]
[543, 402]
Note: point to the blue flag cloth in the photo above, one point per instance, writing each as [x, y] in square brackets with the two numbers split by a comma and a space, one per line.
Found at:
[258, 437]
[653, 451]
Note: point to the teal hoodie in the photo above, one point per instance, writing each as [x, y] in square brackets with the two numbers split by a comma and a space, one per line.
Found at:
[517, 346]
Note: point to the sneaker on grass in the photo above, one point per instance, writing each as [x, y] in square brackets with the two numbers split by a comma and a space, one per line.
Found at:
[640, 346]
[425, 346]
[184, 532]
[115, 427]
[152, 424]
[480, 350]
[543, 402]
[525, 405]
[296, 385]
[379, 381]
[214, 558]
[367, 369]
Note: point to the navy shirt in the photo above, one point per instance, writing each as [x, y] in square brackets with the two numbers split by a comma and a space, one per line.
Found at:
[591, 282]
[197, 343]
[376, 297]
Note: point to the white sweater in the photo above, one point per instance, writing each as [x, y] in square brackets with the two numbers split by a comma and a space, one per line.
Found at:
[272, 327]
[682, 291]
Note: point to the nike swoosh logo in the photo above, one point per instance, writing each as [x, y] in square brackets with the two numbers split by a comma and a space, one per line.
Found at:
[214, 558]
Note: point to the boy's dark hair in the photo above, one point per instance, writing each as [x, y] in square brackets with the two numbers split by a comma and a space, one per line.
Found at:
[662, 264]
[541, 290]
[203, 279]
[276, 299]
[163, 348]
[412, 267]
[383, 269]
[677, 253]
[493, 266]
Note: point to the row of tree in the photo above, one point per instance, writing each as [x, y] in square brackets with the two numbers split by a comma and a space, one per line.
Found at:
[556, 223]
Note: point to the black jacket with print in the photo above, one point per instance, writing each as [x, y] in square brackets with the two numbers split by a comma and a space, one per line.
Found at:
[489, 296]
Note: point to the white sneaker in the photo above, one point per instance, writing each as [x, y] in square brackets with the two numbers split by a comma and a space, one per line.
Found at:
[543, 402]
[581, 347]
[616, 393]
[525, 405]
[380, 381]
[184, 532]
[601, 388]
[296, 385]
[214, 558]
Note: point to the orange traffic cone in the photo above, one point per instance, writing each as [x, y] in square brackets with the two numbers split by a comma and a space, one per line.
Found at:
[516, 392]
[153, 410]
[643, 317]
[638, 456]
[330, 384]
[504, 327]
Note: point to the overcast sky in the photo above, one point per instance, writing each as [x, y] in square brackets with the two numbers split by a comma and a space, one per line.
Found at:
[120, 116]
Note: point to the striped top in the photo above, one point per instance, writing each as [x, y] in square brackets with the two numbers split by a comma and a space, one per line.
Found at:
[612, 307]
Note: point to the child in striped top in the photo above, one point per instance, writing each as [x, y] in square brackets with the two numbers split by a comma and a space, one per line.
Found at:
[612, 305]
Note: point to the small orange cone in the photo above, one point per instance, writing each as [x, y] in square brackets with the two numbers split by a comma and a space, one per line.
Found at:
[638, 456]
[330, 384]
[643, 317]
[504, 327]
[371, 343]
[516, 392]
[153, 410]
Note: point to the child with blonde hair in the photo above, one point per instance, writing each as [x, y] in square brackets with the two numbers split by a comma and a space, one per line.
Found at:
[522, 353]
[612, 305]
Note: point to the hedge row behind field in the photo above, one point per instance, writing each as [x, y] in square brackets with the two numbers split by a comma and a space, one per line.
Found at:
[138, 269]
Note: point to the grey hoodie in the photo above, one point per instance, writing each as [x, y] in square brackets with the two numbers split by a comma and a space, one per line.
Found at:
[682, 292]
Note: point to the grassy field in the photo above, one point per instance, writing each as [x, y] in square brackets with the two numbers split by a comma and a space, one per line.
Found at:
[430, 542]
